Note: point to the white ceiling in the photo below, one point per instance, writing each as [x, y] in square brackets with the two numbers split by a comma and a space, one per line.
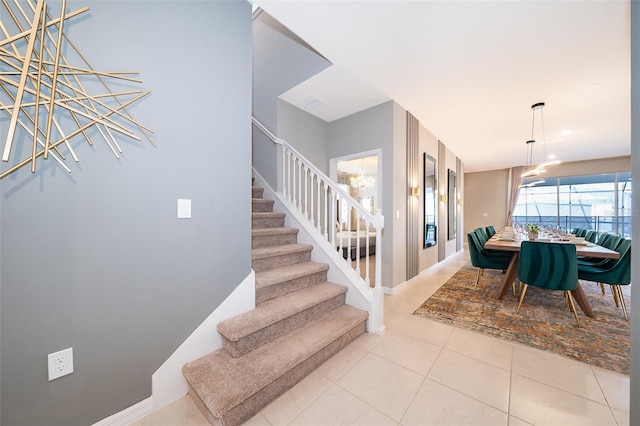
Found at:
[470, 70]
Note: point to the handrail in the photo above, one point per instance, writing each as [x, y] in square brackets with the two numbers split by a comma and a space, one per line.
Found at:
[310, 192]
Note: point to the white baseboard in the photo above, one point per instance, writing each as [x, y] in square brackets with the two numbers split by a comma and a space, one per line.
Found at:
[128, 415]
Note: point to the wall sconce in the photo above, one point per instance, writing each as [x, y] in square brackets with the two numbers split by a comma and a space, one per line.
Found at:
[443, 197]
[415, 191]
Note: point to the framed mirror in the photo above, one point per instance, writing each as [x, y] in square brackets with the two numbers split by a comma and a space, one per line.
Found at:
[451, 204]
[430, 189]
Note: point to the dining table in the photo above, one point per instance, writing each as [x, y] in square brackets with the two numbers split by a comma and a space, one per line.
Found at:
[586, 249]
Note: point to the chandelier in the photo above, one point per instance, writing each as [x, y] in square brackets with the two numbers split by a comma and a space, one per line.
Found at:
[362, 181]
[534, 170]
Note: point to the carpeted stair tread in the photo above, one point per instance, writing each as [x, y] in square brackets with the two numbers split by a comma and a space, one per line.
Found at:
[271, 251]
[289, 272]
[273, 231]
[257, 192]
[261, 205]
[268, 214]
[276, 310]
[262, 220]
[222, 382]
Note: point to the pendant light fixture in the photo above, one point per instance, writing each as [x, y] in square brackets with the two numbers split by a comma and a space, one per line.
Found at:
[534, 169]
[362, 181]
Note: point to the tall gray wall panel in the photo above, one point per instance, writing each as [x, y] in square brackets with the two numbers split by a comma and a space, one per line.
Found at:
[413, 208]
[97, 260]
[460, 226]
[635, 167]
[442, 206]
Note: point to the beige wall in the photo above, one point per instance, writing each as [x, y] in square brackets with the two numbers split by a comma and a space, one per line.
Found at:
[486, 192]
[485, 199]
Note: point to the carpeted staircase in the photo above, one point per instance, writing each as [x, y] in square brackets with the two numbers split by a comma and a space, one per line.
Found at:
[300, 321]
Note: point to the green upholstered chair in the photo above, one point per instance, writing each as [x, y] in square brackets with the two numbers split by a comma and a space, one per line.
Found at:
[482, 235]
[491, 230]
[575, 231]
[616, 273]
[591, 236]
[580, 232]
[482, 259]
[549, 266]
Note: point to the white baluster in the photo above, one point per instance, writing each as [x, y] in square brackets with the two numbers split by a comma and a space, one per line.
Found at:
[305, 180]
[284, 173]
[349, 234]
[357, 245]
[318, 207]
[326, 211]
[367, 280]
[300, 166]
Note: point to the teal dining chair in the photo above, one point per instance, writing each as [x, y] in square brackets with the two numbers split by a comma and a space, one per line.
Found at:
[482, 235]
[491, 230]
[482, 259]
[591, 236]
[616, 274]
[580, 232]
[549, 266]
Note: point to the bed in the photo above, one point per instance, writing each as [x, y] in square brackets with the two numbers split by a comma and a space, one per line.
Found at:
[349, 240]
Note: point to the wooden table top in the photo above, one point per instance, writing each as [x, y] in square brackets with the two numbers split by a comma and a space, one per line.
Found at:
[588, 250]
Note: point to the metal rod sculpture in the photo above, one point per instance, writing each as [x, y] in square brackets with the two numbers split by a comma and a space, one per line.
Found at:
[47, 92]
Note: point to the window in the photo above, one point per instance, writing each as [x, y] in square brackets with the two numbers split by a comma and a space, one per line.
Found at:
[579, 202]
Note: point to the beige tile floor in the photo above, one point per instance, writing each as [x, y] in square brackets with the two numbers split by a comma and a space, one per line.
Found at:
[422, 372]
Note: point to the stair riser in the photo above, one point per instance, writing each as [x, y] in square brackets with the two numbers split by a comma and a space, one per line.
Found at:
[249, 343]
[262, 205]
[267, 222]
[280, 289]
[268, 263]
[257, 192]
[251, 406]
[273, 240]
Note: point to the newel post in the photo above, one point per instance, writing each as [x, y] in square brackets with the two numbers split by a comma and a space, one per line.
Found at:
[377, 308]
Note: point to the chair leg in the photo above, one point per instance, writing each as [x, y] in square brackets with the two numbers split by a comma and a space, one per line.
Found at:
[622, 302]
[573, 307]
[602, 288]
[615, 295]
[522, 293]
[480, 270]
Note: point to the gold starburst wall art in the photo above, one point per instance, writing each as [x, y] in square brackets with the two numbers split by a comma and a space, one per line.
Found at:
[50, 93]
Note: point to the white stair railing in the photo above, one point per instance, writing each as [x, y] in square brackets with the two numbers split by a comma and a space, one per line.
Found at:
[317, 199]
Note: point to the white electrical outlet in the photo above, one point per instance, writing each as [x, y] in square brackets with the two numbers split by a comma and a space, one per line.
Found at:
[60, 363]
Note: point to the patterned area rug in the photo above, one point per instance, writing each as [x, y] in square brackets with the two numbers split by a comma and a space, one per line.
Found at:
[543, 321]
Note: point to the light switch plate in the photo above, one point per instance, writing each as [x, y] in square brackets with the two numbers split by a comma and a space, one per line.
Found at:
[184, 208]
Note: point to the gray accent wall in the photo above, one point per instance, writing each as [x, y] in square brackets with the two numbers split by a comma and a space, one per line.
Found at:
[305, 132]
[281, 60]
[634, 418]
[97, 260]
